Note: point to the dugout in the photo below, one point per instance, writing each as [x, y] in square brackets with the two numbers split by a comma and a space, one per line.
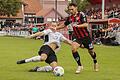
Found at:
[102, 23]
[98, 26]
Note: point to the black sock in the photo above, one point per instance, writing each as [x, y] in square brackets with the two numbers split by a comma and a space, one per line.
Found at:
[77, 58]
[21, 62]
[94, 58]
[95, 61]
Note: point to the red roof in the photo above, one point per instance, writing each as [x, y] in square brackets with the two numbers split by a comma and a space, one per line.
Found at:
[33, 6]
[45, 12]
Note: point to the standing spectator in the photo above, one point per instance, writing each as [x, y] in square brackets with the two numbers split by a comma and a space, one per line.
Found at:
[35, 30]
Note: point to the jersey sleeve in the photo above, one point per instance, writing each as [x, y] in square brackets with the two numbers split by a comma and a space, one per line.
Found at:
[67, 21]
[83, 17]
[47, 31]
[63, 38]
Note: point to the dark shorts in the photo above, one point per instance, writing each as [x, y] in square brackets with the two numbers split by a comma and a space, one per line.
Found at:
[86, 41]
[50, 54]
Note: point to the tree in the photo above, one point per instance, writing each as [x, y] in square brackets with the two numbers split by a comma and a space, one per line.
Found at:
[81, 4]
[10, 7]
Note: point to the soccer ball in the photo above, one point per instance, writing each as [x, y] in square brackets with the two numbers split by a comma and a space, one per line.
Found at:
[58, 71]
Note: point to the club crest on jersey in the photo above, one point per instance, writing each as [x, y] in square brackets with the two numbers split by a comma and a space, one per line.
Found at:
[77, 18]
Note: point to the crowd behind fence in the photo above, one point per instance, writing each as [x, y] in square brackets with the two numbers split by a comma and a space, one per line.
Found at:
[96, 13]
[107, 36]
[26, 30]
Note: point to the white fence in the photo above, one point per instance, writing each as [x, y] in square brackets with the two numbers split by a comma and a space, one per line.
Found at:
[14, 33]
[2, 33]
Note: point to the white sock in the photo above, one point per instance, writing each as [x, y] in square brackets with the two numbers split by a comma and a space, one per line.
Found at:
[33, 59]
[45, 69]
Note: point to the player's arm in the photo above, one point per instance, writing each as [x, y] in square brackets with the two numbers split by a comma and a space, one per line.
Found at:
[67, 41]
[44, 32]
[36, 34]
[61, 26]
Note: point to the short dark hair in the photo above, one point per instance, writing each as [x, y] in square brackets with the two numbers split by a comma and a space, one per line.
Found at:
[72, 4]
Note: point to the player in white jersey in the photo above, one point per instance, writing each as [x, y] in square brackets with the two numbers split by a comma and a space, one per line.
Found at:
[49, 48]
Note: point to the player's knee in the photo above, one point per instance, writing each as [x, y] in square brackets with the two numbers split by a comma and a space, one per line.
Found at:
[74, 49]
[53, 64]
[91, 51]
[43, 57]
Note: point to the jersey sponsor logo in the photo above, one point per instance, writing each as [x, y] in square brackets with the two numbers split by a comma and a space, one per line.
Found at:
[90, 46]
[77, 58]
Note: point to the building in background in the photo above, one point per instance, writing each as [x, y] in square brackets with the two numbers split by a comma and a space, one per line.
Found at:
[38, 11]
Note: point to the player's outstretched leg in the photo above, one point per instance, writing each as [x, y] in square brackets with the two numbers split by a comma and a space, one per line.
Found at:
[34, 69]
[21, 61]
[33, 59]
[41, 69]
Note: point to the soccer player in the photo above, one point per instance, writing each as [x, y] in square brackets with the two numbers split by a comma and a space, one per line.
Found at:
[81, 35]
[47, 52]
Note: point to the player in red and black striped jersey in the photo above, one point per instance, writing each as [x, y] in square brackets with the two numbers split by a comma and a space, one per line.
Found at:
[81, 35]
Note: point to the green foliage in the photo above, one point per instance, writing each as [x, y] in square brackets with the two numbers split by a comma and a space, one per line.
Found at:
[10, 7]
[13, 49]
[82, 4]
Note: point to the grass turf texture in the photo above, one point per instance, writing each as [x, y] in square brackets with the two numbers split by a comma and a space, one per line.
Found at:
[13, 49]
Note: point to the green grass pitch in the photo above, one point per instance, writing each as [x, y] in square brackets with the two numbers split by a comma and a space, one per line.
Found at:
[13, 49]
